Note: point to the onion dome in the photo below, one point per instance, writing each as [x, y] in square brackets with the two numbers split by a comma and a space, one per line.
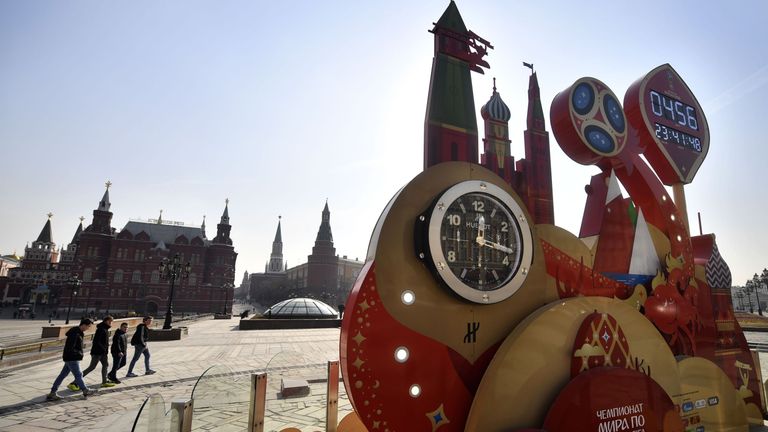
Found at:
[495, 108]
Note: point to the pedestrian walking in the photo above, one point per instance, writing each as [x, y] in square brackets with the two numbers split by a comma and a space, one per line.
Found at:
[73, 353]
[139, 342]
[119, 351]
[99, 353]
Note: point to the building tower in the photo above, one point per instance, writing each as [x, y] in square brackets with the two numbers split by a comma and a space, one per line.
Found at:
[95, 242]
[43, 252]
[221, 256]
[450, 127]
[497, 155]
[322, 265]
[223, 228]
[276, 258]
[538, 169]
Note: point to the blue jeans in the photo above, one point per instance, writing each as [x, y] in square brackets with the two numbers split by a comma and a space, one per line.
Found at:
[70, 366]
[136, 354]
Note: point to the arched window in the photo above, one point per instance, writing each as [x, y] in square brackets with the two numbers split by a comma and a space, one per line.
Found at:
[192, 279]
[136, 278]
[118, 276]
[155, 278]
[87, 275]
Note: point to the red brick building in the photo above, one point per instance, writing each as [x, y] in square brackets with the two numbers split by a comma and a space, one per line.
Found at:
[44, 272]
[119, 269]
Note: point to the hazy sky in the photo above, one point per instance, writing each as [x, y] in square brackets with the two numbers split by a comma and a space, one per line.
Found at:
[280, 105]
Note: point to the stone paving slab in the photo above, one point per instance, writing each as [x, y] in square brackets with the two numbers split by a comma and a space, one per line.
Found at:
[179, 364]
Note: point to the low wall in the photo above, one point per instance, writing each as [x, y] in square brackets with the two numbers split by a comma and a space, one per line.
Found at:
[159, 335]
[60, 331]
[280, 324]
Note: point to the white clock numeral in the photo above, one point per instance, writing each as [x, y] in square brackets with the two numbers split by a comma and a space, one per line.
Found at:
[454, 219]
[479, 206]
[504, 226]
[505, 261]
[451, 256]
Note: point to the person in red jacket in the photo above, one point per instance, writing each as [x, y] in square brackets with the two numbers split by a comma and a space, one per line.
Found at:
[73, 353]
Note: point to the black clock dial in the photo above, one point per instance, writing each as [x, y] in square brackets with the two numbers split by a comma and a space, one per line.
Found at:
[480, 240]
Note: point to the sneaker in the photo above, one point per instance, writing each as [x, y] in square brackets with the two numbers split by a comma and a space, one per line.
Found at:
[107, 384]
[150, 372]
[73, 387]
[131, 375]
[52, 397]
[88, 392]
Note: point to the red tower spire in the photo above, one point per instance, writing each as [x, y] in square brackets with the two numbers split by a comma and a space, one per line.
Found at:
[537, 164]
[450, 127]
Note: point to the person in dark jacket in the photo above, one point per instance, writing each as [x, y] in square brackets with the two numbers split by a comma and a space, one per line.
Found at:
[139, 342]
[119, 351]
[99, 353]
[73, 353]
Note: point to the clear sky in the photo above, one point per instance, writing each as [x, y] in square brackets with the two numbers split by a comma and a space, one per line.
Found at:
[279, 106]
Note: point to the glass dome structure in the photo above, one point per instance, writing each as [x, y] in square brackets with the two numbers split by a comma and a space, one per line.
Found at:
[301, 308]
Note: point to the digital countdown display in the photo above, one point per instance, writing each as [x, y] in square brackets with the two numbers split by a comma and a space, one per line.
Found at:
[671, 124]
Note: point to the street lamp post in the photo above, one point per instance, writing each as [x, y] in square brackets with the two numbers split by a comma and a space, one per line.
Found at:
[227, 287]
[172, 269]
[74, 284]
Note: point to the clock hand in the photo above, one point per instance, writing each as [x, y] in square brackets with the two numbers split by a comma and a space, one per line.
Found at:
[496, 246]
[480, 240]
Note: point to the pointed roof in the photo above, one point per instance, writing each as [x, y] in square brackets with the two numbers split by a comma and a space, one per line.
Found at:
[76, 237]
[536, 119]
[225, 215]
[202, 227]
[613, 188]
[45, 235]
[104, 204]
[324, 233]
[278, 234]
[451, 19]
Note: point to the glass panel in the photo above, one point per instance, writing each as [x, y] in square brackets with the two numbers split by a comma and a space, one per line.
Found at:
[296, 392]
[220, 400]
[152, 416]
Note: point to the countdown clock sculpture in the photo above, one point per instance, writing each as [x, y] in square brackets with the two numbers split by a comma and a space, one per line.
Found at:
[476, 239]
[666, 113]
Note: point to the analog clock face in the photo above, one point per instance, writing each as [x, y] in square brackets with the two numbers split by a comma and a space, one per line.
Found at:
[479, 241]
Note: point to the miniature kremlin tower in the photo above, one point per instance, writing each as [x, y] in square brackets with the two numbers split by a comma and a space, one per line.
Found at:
[450, 129]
